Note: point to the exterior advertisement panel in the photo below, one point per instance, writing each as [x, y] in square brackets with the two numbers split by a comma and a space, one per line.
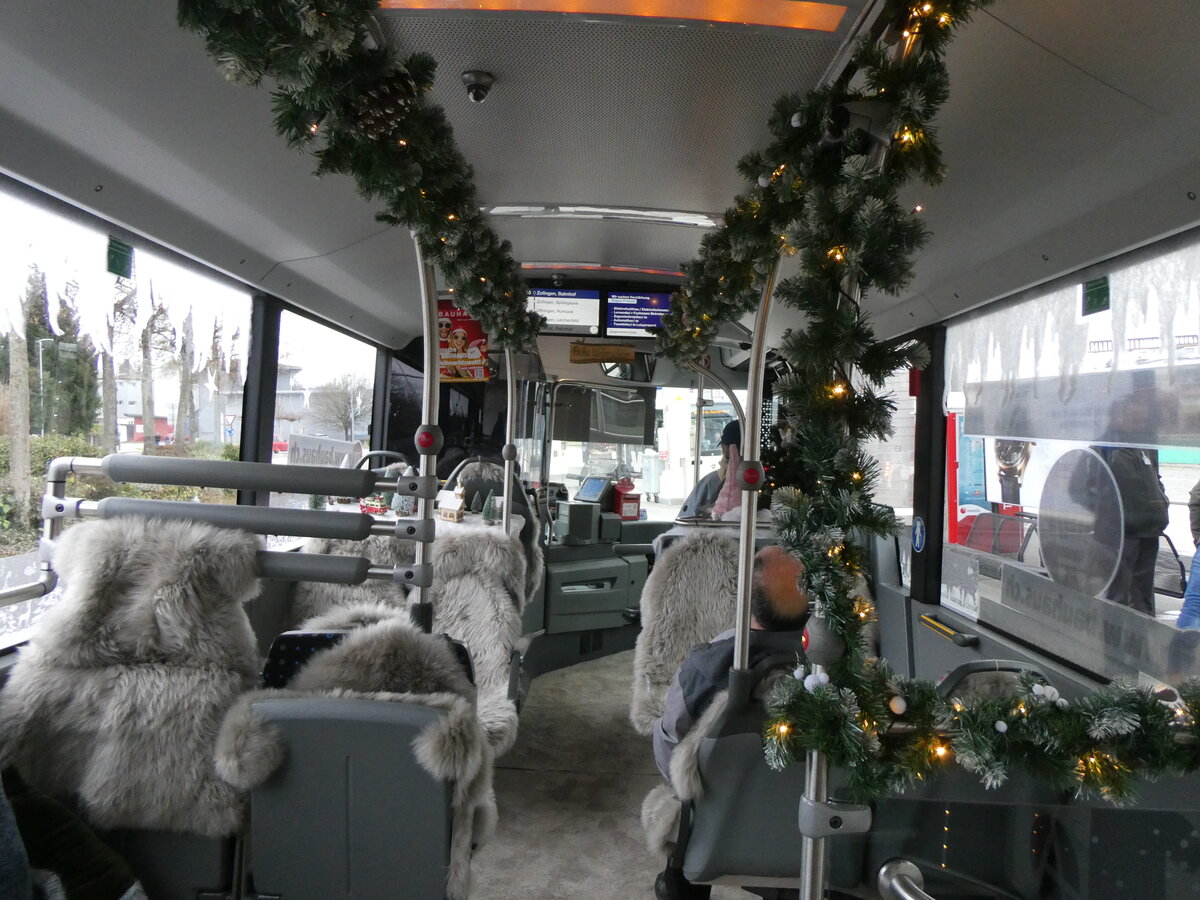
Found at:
[462, 345]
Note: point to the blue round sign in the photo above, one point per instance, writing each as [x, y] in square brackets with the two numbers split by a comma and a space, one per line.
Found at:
[918, 534]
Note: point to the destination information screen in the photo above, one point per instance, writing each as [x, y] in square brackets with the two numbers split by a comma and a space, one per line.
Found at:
[633, 315]
[567, 311]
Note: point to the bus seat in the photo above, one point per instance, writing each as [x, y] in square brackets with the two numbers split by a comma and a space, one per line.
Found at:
[312, 598]
[117, 701]
[727, 817]
[690, 597]
[478, 598]
[997, 534]
[372, 772]
[483, 476]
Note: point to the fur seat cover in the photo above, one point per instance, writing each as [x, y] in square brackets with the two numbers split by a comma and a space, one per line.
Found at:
[117, 700]
[478, 598]
[689, 598]
[390, 661]
[314, 598]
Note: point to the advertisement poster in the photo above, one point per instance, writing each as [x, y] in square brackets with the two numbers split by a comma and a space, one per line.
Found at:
[462, 345]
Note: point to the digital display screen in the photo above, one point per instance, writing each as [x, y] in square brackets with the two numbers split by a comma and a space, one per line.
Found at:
[633, 315]
[592, 489]
[567, 311]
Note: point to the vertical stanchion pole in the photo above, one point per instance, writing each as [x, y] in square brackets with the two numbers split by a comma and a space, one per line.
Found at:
[429, 436]
[750, 475]
[509, 451]
[697, 444]
[812, 849]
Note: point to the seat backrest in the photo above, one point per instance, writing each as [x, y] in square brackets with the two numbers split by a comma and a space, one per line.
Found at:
[314, 598]
[372, 775]
[478, 597]
[1001, 535]
[689, 598]
[480, 476]
[325, 828]
[117, 701]
[743, 823]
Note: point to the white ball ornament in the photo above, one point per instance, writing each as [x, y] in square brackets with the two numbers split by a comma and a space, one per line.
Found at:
[764, 180]
[1062, 703]
[1050, 693]
[812, 682]
[1038, 690]
[1001, 726]
[798, 673]
[898, 705]
[797, 120]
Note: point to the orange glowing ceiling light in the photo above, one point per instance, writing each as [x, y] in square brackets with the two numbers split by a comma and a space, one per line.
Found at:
[774, 13]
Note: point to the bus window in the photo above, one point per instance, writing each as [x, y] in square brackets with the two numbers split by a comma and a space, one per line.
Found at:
[323, 403]
[107, 348]
[895, 458]
[1080, 432]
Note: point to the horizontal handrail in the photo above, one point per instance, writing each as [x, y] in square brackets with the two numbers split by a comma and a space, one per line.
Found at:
[139, 469]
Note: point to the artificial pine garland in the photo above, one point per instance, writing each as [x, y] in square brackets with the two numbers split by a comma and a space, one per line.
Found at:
[827, 193]
[366, 114]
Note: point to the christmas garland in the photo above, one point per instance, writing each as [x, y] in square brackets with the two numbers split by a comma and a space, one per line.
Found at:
[826, 190]
[366, 114]
[888, 733]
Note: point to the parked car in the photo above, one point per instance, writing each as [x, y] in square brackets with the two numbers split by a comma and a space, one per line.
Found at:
[278, 446]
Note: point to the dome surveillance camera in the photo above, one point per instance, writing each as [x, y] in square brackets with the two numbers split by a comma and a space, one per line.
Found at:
[557, 279]
[478, 84]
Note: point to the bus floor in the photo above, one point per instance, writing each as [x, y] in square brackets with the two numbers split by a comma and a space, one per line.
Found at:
[570, 794]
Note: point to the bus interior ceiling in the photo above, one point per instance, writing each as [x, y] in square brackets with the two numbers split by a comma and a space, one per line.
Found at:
[1072, 135]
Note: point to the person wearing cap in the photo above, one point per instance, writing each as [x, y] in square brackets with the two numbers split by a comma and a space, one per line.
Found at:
[779, 611]
[705, 494]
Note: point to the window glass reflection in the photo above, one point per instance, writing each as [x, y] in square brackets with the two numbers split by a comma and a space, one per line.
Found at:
[1077, 413]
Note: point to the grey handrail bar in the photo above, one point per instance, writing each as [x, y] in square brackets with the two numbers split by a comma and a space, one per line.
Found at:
[900, 879]
[136, 468]
[257, 519]
[705, 371]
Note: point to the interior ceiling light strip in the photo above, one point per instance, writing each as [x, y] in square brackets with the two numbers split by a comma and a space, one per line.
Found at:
[774, 13]
[599, 267]
[606, 213]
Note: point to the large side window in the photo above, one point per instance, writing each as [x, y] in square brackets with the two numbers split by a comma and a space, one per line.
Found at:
[895, 457]
[323, 403]
[1077, 441]
[145, 359]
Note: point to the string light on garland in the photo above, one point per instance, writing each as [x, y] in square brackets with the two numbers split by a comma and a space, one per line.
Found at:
[365, 112]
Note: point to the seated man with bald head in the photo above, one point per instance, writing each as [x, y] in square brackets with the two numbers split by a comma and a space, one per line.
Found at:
[779, 610]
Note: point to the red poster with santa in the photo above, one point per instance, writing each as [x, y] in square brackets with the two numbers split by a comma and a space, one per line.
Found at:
[462, 345]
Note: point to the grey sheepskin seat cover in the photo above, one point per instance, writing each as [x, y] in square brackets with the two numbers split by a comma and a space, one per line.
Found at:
[479, 593]
[389, 661]
[478, 598]
[689, 598]
[117, 700]
[314, 598]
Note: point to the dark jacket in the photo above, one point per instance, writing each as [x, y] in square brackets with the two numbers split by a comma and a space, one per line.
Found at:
[1142, 496]
[703, 675]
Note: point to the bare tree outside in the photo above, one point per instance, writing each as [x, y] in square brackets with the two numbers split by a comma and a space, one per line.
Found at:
[343, 403]
[157, 338]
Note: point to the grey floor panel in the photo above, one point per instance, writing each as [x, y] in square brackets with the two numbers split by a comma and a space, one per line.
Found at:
[570, 795]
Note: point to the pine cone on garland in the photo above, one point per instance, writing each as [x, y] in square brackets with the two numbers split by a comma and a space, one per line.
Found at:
[380, 110]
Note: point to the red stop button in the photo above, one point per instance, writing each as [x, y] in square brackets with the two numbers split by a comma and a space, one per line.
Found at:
[752, 476]
[425, 439]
